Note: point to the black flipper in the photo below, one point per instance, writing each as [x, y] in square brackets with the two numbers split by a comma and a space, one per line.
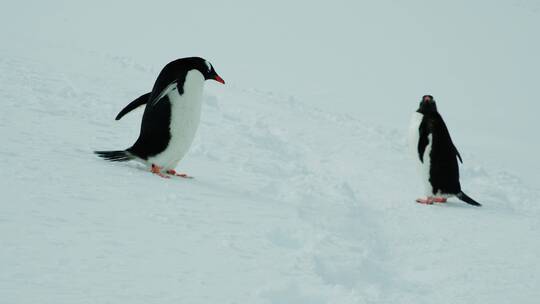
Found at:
[464, 197]
[117, 156]
[143, 99]
[458, 155]
[447, 135]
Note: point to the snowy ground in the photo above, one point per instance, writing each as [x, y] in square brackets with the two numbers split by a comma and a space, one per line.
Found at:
[292, 202]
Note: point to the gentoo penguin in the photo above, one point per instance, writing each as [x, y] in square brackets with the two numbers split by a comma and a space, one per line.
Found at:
[171, 117]
[435, 154]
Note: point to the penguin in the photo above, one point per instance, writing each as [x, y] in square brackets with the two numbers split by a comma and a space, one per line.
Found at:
[436, 155]
[171, 116]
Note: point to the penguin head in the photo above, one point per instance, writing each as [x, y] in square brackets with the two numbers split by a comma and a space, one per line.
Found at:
[203, 66]
[427, 105]
[209, 72]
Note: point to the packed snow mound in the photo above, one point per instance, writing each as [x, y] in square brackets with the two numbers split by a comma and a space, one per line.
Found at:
[290, 204]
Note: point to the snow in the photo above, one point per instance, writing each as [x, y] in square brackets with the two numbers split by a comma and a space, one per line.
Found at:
[304, 189]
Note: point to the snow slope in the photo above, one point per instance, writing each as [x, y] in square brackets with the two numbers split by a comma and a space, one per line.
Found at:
[290, 204]
[301, 195]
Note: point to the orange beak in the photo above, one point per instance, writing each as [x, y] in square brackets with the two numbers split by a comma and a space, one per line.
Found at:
[219, 79]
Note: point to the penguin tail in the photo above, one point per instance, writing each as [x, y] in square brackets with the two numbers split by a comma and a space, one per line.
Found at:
[464, 197]
[116, 156]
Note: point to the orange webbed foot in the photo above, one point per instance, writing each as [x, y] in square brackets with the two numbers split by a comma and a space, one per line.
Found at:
[157, 171]
[173, 172]
[425, 201]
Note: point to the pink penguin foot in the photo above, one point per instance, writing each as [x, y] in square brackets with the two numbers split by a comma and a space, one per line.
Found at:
[425, 201]
[157, 171]
[173, 172]
[439, 200]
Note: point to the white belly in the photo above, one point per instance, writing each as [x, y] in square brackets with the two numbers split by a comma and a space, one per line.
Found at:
[422, 167]
[185, 118]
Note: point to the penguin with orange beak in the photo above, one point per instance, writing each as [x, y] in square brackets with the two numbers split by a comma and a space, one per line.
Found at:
[171, 116]
[436, 155]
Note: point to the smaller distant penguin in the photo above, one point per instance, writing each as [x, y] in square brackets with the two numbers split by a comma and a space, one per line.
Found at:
[171, 116]
[436, 155]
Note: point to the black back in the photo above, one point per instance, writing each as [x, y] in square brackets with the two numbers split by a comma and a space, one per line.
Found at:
[444, 168]
[155, 132]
